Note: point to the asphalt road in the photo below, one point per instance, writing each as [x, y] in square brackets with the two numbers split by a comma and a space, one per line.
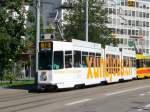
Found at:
[121, 97]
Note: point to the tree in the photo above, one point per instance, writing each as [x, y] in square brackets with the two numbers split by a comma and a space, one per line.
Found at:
[12, 28]
[74, 22]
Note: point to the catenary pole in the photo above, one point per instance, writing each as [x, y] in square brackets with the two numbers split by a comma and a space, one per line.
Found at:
[87, 20]
[37, 31]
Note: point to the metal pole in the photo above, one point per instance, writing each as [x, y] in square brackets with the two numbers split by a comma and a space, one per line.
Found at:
[87, 20]
[37, 32]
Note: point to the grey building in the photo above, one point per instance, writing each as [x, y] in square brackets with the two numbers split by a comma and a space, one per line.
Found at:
[131, 24]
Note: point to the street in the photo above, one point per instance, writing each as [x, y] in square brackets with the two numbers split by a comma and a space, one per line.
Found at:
[132, 96]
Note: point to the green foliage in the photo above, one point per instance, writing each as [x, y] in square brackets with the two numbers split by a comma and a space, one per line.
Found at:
[9, 76]
[74, 19]
[12, 28]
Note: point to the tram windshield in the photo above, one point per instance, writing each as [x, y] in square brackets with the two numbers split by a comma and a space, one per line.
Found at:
[45, 60]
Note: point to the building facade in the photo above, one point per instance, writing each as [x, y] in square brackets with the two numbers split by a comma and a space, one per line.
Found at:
[129, 20]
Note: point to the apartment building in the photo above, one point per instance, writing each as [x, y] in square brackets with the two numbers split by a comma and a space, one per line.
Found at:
[130, 22]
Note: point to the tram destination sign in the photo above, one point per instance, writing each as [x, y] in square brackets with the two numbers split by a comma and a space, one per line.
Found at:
[45, 46]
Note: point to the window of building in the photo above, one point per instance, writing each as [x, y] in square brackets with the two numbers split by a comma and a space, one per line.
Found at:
[125, 41]
[114, 11]
[129, 22]
[133, 32]
[122, 2]
[118, 31]
[126, 13]
[140, 15]
[133, 13]
[133, 22]
[144, 6]
[129, 32]
[140, 23]
[114, 20]
[137, 4]
[129, 12]
[141, 5]
[147, 15]
[144, 24]
[147, 24]
[126, 2]
[121, 30]
[136, 32]
[110, 20]
[137, 14]
[147, 42]
[137, 23]
[125, 31]
[144, 14]
[147, 33]
[143, 33]
[110, 11]
[121, 40]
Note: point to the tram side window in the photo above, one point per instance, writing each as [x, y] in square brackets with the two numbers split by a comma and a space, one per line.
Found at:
[68, 59]
[58, 60]
[92, 55]
[125, 62]
[84, 55]
[147, 63]
[77, 59]
[98, 58]
[133, 62]
[139, 63]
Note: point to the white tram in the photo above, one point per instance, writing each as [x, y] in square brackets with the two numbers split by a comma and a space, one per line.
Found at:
[76, 63]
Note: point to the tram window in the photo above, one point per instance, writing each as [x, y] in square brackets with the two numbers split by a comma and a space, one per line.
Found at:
[147, 63]
[98, 55]
[84, 53]
[91, 54]
[77, 59]
[68, 61]
[68, 52]
[84, 63]
[139, 63]
[58, 60]
[124, 61]
[45, 60]
[98, 60]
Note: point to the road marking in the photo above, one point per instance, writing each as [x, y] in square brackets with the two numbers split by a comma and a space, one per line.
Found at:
[144, 107]
[142, 94]
[139, 109]
[77, 102]
[147, 106]
[127, 90]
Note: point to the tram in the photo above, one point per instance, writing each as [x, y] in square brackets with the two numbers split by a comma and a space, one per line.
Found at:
[143, 65]
[80, 63]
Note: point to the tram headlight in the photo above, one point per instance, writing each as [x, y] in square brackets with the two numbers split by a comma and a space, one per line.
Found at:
[43, 76]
